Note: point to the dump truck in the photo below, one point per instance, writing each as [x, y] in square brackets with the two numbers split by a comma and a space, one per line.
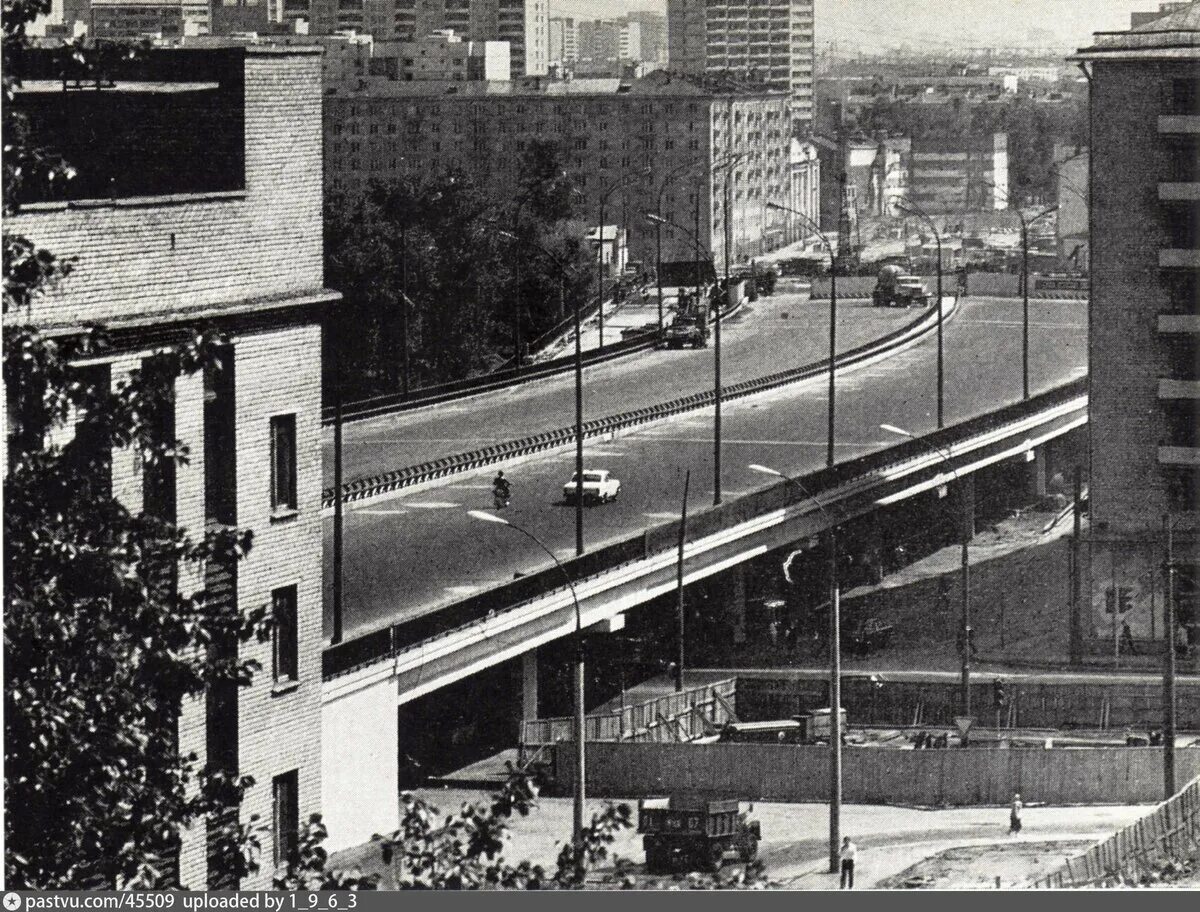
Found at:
[690, 326]
[894, 288]
[687, 833]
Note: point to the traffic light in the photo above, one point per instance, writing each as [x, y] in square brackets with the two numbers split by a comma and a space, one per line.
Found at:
[999, 697]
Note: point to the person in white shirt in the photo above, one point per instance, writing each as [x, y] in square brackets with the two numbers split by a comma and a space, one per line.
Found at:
[1014, 815]
[849, 851]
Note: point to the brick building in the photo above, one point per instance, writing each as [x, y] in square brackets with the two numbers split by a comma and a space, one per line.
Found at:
[607, 131]
[1145, 319]
[233, 240]
[771, 40]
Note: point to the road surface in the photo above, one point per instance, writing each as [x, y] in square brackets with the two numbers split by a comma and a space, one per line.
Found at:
[407, 555]
[773, 334]
[794, 847]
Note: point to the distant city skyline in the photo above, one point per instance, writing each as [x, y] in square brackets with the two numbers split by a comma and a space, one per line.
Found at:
[878, 24]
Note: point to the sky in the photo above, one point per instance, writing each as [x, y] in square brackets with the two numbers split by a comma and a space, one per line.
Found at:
[876, 24]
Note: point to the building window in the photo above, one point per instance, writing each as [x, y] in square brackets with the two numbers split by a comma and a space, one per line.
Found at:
[285, 661]
[285, 816]
[283, 463]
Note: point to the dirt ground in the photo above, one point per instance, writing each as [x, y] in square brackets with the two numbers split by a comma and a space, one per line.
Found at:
[985, 867]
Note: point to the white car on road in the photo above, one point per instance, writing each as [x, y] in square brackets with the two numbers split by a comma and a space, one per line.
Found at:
[599, 486]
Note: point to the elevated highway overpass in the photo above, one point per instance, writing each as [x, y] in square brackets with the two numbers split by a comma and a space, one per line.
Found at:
[411, 553]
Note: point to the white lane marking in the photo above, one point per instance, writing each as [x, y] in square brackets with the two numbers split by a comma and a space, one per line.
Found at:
[461, 590]
[470, 487]
[664, 438]
[661, 515]
[1032, 323]
[382, 512]
[433, 505]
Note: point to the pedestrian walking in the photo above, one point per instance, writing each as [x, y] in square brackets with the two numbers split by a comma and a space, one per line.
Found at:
[849, 851]
[1014, 814]
[1127, 639]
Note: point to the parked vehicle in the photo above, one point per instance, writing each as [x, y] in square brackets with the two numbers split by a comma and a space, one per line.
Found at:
[870, 635]
[690, 326]
[812, 727]
[685, 833]
[599, 486]
[896, 289]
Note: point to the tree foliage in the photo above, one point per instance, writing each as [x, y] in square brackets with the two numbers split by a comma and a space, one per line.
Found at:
[466, 277]
[465, 851]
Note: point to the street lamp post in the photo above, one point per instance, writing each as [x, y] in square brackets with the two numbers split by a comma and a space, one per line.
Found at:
[687, 479]
[604, 198]
[579, 718]
[562, 297]
[913, 209]
[832, 429]
[699, 251]
[1025, 224]
[672, 175]
[835, 675]
[966, 531]
[1169, 666]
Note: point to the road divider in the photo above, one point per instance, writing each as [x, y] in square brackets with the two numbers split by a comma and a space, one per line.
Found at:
[397, 479]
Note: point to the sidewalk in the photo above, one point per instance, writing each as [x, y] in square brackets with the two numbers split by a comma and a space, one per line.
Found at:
[616, 318]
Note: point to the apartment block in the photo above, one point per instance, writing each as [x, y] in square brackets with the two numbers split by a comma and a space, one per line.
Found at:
[653, 27]
[605, 42]
[442, 56]
[564, 40]
[806, 189]
[524, 24]
[607, 132]
[767, 40]
[1145, 322]
[203, 205]
[956, 175]
[166, 18]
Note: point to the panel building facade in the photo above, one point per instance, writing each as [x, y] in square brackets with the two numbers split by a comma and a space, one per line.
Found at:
[607, 132]
[233, 241]
[952, 175]
[770, 40]
[1144, 335]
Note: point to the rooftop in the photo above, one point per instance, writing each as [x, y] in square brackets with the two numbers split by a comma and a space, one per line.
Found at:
[656, 84]
[1173, 36]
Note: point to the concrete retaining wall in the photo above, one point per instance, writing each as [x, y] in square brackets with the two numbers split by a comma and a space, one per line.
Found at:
[971, 776]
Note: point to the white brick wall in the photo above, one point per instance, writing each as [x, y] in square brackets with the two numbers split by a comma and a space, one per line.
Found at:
[278, 373]
[265, 242]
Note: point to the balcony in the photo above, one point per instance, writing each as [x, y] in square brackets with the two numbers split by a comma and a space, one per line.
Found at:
[1179, 191]
[1179, 323]
[1179, 123]
[1179, 259]
[1179, 456]
[1179, 389]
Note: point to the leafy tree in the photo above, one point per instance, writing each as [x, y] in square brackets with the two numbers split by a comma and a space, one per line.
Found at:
[465, 276]
[464, 851]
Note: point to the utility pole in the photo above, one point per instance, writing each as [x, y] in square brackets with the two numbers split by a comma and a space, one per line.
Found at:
[687, 478]
[835, 707]
[967, 493]
[335, 345]
[1169, 668]
[1076, 570]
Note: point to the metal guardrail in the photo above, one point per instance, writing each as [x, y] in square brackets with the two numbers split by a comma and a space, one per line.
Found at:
[391, 403]
[420, 632]
[458, 389]
[396, 479]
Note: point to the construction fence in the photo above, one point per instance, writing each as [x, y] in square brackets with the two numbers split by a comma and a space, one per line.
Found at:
[1171, 832]
[680, 716]
[877, 775]
[1096, 704]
